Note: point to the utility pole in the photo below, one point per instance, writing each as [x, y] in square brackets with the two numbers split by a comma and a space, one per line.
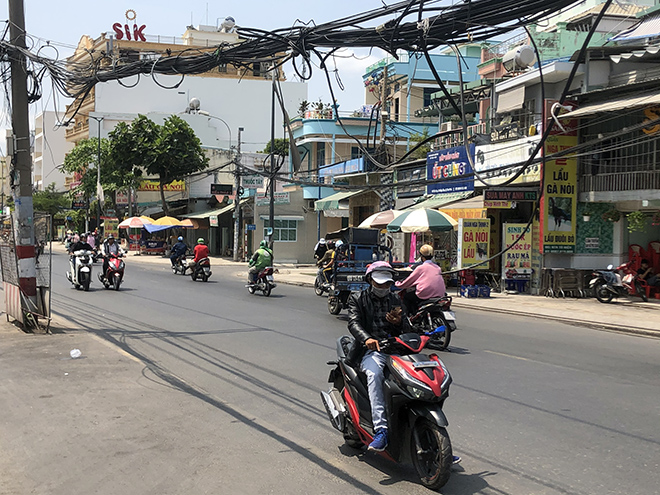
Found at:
[383, 106]
[237, 187]
[99, 190]
[271, 211]
[22, 177]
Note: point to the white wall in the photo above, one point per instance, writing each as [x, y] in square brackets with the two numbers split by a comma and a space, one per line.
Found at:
[52, 146]
[245, 103]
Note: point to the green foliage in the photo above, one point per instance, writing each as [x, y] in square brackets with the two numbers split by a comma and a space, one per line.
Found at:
[304, 106]
[612, 215]
[281, 147]
[49, 201]
[416, 138]
[636, 221]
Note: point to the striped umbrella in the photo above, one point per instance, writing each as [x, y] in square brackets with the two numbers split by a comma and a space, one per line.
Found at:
[170, 221]
[379, 220]
[422, 220]
[133, 223]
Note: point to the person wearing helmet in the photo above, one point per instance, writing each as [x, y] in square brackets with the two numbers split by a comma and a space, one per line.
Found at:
[109, 247]
[425, 282]
[262, 258]
[341, 250]
[375, 314]
[178, 250]
[327, 262]
[200, 251]
[320, 249]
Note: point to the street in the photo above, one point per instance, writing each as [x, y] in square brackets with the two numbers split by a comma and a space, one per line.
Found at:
[536, 407]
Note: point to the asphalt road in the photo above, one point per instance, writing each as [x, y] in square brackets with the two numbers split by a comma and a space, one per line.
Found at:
[536, 407]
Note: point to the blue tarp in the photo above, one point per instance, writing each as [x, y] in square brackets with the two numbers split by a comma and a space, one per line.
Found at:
[151, 228]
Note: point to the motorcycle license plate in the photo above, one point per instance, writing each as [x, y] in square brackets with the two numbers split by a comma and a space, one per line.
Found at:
[270, 278]
[449, 315]
[426, 364]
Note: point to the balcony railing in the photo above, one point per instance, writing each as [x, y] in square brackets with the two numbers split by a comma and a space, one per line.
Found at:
[78, 128]
[628, 181]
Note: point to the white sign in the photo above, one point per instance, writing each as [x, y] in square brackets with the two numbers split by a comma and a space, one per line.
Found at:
[252, 181]
[281, 198]
[121, 198]
[492, 156]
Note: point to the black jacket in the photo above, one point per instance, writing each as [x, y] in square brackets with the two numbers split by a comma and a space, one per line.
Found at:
[361, 317]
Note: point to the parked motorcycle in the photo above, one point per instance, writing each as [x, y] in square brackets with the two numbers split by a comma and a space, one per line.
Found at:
[265, 282]
[320, 285]
[114, 274]
[201, 269]
[616, 282]
[80, 269]
[431, 315]
[416, 386]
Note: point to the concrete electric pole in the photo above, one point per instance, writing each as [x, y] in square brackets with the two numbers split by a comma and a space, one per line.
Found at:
[237, 196]
[22, 160]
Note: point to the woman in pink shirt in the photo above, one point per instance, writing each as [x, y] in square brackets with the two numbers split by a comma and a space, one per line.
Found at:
[426, 279]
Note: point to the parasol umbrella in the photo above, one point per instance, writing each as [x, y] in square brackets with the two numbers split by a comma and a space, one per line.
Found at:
[187, 223]
[134, 223]
[379, 220]
[169, 221]
[422, 220]
[147, 219]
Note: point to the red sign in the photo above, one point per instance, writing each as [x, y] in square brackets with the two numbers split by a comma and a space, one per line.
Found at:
[125, 30]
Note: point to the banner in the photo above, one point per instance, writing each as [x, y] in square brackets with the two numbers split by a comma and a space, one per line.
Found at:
[519, 257]
[559, 197]
[449, 164]
[473, 243]
[110, 226]
[154, 185]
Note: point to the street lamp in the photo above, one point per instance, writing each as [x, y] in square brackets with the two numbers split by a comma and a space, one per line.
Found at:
[99, 190]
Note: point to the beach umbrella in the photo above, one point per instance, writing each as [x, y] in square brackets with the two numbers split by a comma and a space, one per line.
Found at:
[169, 221]
[379, 220]
[187, 223]
[422, 220]
[147, 219]
[133, 223]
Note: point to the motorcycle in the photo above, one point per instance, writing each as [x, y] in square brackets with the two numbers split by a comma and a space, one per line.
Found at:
[265, 282]
[320, 285]
[431, 315]
[115, 273]
[80, 269]
[416, 386]
[181, 265]
[201, 269]
[615, 282]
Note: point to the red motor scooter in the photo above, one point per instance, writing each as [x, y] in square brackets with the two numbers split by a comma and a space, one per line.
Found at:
[115, 272]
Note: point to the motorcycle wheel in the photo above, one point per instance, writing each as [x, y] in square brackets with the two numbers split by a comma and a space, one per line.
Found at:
[205, 278]
[334, 305]
[193, 275]
[439, 342]
[604, 295]
[85, 284]
[318, 287]
[267, 288]
[430, 451]
[117, 283]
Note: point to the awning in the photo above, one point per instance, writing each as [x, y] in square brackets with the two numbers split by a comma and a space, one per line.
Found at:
[643, 100]
[297, 218]
[334, 201]
[647, 28]
[510, 100]
[438, 200]
[214, 213]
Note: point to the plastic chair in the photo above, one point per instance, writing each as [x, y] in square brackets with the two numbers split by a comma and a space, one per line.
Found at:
[635, 254]
[653, 253]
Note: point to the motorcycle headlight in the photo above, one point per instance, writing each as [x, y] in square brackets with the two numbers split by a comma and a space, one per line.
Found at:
[412, 385]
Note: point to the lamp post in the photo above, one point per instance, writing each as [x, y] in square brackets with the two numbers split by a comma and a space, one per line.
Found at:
[99, 191]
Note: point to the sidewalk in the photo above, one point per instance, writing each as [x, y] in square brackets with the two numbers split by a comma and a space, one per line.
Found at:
[624, 315]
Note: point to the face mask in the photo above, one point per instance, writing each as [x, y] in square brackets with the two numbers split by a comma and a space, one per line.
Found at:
[380, 293]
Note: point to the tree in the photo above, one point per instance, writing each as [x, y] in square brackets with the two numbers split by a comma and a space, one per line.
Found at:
[171, 151]
[416, 138]
[281, 147]
[50, 201]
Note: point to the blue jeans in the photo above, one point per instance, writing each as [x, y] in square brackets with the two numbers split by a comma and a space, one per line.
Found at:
[373, 364]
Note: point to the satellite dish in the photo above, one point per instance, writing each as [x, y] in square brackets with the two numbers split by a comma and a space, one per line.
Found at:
[227, 25]
[194, 104]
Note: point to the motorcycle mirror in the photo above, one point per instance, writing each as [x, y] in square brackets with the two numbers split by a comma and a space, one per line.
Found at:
[609, 267]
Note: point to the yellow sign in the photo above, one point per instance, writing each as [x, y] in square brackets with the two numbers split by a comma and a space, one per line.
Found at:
[110, 226]
[154, 185]
[560, 197]
[519, 257]
[651, 114]
[498, 204]
[459, 213]
[473, 243]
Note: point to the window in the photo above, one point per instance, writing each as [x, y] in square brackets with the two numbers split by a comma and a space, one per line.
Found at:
[320, 154]
[284, 231]
[427, 96]
[356, 152]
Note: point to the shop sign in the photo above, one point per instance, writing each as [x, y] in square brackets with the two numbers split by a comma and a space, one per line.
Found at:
[281, 198]
[252, 181]
[459, 213]
[222, 189]
[499, 204]
[559, 205]
[110, 226]
[518, 195]
[78, 204]
[473, 243]
[213, 220]
[490, 158]
[250, 226]
[348, 167]
[126, 30]
[154, 186]
[445, 166]
[519, 257]
[592, 242]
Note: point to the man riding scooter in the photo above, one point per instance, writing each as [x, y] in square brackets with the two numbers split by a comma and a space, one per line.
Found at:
[178, 250]
[426, 279]
[262, 258]
[109, 248]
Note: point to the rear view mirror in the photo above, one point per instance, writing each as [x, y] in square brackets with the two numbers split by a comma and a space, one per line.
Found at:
[609, 267]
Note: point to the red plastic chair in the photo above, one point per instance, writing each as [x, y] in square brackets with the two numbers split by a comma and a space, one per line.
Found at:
[653, 253]
[635, 254]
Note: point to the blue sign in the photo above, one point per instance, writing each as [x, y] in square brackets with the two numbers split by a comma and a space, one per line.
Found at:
[446, 167]
[251, 226]
[347, 167]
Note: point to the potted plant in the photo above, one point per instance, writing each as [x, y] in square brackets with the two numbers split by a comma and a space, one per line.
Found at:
[636, 221]
[587, 212]
[655, 219]
[612, 215]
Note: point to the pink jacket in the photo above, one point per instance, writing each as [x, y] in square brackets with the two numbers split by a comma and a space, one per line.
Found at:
[427, 280]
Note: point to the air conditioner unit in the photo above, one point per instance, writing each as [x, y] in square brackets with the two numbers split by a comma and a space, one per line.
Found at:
[448, 126]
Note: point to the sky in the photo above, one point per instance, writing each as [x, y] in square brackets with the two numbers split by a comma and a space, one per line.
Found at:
[63, 22]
